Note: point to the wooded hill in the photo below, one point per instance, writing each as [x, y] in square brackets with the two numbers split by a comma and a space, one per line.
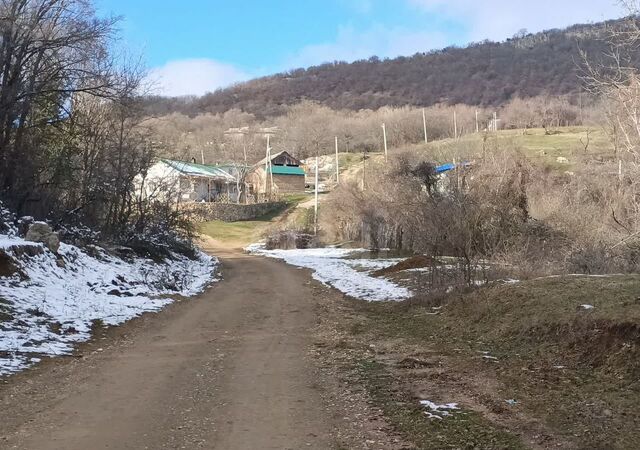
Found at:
[483, 74]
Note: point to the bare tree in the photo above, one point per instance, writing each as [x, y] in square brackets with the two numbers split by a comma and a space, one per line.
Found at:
[616, 78]
[50, 51]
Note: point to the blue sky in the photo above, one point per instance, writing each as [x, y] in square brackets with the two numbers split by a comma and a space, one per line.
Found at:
[195, 46]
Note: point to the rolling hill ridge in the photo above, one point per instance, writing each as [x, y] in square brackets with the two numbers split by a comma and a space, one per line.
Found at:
[483, 74]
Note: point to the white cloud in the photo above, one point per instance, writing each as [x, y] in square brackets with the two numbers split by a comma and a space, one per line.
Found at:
[350, 45]
[489, 19]
[193, 77]
[499, 19]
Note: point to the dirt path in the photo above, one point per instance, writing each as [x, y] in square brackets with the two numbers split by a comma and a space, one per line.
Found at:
[230, 369]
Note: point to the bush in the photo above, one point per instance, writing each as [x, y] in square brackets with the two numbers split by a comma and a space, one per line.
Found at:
[522, 219]
[7, 221]
[288, 239]
[160, 229]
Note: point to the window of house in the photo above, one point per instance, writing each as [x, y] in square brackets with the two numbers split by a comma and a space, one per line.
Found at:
[185, 184]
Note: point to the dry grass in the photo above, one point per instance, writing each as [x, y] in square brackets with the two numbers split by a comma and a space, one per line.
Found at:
[540, 148]
[511, 207]
[572, 371]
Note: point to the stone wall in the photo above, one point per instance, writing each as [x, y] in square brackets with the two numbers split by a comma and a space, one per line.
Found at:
[229, 212]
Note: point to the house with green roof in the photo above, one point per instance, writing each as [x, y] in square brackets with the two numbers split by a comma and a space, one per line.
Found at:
[281, 174]
[187, 182]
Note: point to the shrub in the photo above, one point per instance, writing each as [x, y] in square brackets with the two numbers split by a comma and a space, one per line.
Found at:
[525, 220]
[289, 239]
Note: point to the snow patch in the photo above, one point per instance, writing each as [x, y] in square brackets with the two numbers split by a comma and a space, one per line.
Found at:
[57, 304]
[341, 269]
[438, 411]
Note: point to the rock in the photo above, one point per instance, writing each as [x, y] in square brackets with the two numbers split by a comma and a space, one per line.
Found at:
[8, 267]
[26, 250]
[23, 225]
[41, 232]
[119, 293]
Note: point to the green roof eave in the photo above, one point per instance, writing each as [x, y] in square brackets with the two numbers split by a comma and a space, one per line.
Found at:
[287, 170]
[194, 169]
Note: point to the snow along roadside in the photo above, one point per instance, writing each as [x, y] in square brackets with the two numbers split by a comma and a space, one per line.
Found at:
[331, 267]
[56, 306]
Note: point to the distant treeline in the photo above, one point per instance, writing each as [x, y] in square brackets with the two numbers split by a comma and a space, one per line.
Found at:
[484, 74]
[308, 128]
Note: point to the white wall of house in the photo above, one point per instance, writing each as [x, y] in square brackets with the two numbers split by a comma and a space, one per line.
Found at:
[164, 182]
[161, 182]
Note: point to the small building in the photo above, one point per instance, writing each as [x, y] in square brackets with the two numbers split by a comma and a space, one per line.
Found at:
[283, 174]
[187, 182]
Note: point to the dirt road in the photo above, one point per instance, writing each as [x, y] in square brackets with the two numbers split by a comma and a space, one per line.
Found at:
[227, 370]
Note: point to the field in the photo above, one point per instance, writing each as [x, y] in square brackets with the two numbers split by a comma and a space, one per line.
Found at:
[572, 144]
[560, 150]
[249, 231]
[539, 364]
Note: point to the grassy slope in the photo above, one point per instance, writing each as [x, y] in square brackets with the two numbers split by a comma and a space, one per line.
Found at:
[464, 429]
[540, 148]
[573, 372]
[544, 149]
[249, 231]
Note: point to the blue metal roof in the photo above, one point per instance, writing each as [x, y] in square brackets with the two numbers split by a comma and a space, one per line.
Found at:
[445, 168]
[451, 166]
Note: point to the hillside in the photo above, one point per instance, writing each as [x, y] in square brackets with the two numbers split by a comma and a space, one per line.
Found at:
[484, 74]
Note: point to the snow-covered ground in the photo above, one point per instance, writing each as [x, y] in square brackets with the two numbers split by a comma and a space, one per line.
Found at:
[61, 299]
[343, 270]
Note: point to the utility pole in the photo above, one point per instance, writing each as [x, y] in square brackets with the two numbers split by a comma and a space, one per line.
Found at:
[384, 135]
[364, 168]
[244, 147]
[457, 172]
[315, 226]
[424, 126]
[620, 175]
[580, 103]
[477, 124]
[455, 125]
[266, 168]
[268, 174]
[337, 163]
